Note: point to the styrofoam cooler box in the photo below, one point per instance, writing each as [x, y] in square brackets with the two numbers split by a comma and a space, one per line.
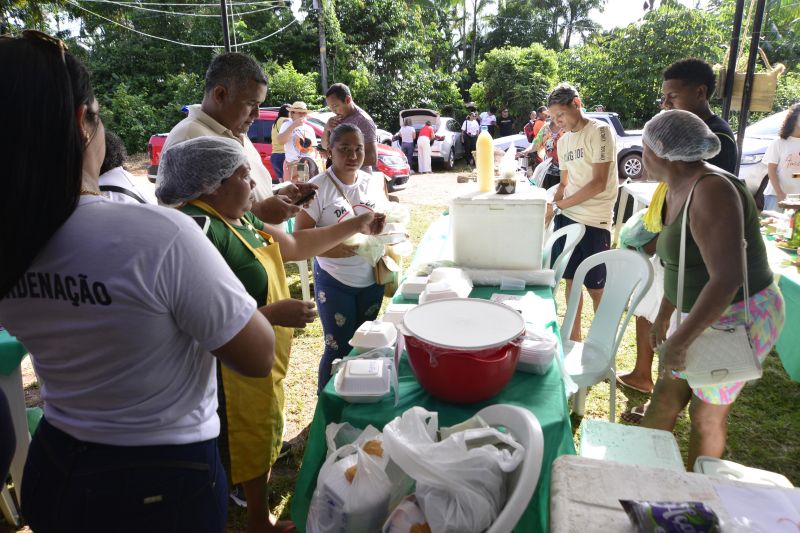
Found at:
[500, 231]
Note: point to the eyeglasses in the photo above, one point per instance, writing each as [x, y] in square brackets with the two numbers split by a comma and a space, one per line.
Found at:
[36, 35]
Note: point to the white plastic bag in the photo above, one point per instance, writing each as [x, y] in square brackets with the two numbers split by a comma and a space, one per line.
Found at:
[341, 506]
[508, 164]
[460, 488]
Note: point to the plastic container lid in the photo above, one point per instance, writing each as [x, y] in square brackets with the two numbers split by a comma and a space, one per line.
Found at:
[374, 334]
[442, 290]
[413, 286]
[464, 323]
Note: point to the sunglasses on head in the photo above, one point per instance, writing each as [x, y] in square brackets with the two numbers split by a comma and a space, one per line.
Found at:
[36, 35]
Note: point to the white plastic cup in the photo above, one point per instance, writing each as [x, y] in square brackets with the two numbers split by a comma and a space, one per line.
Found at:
[508, 283]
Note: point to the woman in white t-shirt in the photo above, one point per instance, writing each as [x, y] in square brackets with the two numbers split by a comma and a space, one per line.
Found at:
[783, 161]
[344, 284]
[122, 307]
[407, 135]
[298, 139]
[116, 183]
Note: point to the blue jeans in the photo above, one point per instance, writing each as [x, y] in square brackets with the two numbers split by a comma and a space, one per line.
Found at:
[771, 202]
[408, 149]
[277, 165]
[341, 309]
[71, 485]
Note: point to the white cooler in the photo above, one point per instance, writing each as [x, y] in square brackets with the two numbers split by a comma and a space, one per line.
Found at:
[499, 231]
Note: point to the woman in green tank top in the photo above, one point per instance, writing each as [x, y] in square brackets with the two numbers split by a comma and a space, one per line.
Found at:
[676, 143]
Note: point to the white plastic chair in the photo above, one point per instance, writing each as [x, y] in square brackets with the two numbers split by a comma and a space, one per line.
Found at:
[305, 287]
[12, 387]
[628, 277]
[525, 428]
[573, 234]
[711, 466]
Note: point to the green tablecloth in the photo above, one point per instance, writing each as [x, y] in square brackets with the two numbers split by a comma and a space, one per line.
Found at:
[12, 352]
[542, 395]
[788, 345]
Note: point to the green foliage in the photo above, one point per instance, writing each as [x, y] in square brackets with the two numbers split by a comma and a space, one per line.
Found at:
[788, 92]
[130, 116]
[622, 69]
[286, 85]
[517, 78]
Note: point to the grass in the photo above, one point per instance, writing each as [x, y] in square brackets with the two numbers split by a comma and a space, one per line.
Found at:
[763, 432]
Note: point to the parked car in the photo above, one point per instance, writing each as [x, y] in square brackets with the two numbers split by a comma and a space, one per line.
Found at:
[391, 161]
[629, 145]
[447, 145]
[757, 137]
[384, 137]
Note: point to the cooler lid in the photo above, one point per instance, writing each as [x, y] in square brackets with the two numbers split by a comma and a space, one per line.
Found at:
[524, 195]
[464, 323]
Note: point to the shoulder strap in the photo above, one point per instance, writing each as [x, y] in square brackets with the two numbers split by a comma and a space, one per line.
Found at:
[122, 190]
[338, 188]
[682, 254]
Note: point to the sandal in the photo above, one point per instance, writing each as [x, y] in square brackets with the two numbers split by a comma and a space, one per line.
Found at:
[635, 414]
[623, 383]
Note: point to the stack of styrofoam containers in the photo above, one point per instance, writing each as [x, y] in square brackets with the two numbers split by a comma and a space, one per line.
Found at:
[537, 351]
[499, 231]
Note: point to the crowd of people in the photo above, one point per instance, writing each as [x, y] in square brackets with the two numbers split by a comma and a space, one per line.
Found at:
[162, 333]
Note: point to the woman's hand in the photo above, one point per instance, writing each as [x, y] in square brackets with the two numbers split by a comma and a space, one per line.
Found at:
[371, 223]
[290, 313]
[672, 356]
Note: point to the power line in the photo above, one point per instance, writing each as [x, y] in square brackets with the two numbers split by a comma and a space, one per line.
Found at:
[153, 10]
[192, 45]
[208, 4]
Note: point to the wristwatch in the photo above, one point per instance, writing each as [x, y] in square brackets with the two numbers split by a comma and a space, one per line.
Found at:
[556, 209]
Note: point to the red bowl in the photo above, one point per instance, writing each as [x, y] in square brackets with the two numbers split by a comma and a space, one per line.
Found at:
[462, 376]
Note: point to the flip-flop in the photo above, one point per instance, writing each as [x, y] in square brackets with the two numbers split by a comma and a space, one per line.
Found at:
[635, 414]
[622, 383]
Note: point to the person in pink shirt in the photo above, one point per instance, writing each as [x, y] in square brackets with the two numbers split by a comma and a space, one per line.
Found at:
[424, 141]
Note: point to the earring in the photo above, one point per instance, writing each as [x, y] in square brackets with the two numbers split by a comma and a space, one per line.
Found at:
[85, 138]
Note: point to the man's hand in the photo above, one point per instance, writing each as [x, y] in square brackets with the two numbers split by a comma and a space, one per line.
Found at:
[296, 191]
[334, 121]
[340, 251]
[290, 313]
[275, 209]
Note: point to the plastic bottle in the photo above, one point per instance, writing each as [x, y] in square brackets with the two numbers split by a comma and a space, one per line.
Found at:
[485, 161]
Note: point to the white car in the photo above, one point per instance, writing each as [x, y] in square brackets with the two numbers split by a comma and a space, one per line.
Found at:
[757, 137]
[447, 145]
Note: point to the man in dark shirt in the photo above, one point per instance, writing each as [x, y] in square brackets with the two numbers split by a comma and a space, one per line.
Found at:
[505, 124]
[340, 101]
[687, 85]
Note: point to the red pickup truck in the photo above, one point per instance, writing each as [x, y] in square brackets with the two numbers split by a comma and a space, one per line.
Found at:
[391, 161]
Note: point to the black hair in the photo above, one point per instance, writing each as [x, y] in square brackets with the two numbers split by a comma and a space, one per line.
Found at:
[563, 94]
[692, 72]
[790, 122]
[344, 129]
[283, 111]
[115, 152]
[541, 109]
[339, 90]
[48, 87]
[233, 70]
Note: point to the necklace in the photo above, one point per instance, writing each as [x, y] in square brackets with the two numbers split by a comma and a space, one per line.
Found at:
[93, 193]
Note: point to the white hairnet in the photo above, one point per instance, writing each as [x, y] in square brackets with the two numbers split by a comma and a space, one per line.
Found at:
[677, 135]
[195, 167]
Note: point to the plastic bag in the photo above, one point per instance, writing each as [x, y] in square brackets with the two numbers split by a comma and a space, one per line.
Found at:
[508, 164]
[353, 490]
[460, 488]
[633, 234]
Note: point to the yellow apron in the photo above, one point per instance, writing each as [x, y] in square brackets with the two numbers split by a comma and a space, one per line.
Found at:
[254, 406]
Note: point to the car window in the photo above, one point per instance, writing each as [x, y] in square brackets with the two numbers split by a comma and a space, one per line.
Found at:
[267, 124]
[256, 131]
[452, 125]
[767, 126]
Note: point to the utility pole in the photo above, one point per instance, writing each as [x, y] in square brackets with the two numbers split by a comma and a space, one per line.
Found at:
[733, 56]
[323, 61]
[758, 21]
[224, 14]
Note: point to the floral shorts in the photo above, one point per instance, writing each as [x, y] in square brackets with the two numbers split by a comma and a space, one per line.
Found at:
[767, 315]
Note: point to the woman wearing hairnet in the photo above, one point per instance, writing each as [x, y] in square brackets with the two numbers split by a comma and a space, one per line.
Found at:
[210, 176]
[675, 145]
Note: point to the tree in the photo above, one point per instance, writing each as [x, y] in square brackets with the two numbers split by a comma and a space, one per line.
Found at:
[622, 69]
[286, 85]
[517, 78]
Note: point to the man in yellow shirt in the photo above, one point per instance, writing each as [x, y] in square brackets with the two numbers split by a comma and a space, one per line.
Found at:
[587, 155]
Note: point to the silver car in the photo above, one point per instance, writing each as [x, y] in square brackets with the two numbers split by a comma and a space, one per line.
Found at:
[446, 146]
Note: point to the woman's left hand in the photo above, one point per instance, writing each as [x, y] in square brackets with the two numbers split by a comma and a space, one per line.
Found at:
[672, 356]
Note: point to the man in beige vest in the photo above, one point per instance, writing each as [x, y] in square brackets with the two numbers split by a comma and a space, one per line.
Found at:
[235, 87]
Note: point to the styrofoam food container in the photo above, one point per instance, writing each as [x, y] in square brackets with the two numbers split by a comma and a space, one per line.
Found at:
[448, 274]
[395, 312]
[413, 286]
[373, 334]
[537, 352]
[363, 380]
[464, 324]
[393, 233]
[444, 290]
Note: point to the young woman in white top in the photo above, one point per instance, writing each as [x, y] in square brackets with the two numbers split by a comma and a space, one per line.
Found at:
[407, 135]
[783, 161]
[344, 284]
[122, 307]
